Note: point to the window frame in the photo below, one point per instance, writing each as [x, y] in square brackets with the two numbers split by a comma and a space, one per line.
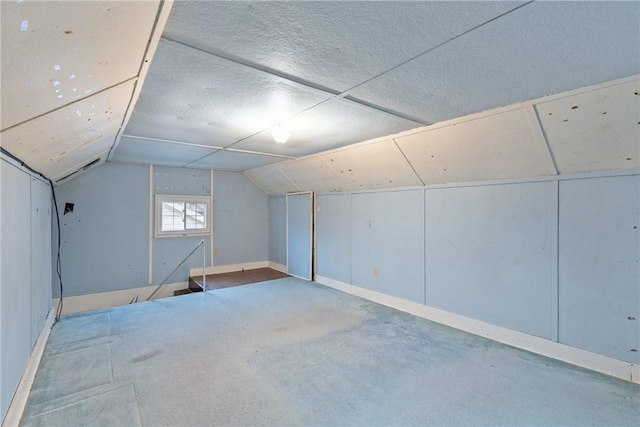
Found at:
[177, 198]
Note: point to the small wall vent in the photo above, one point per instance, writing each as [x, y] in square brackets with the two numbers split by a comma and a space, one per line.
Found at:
[79, 170]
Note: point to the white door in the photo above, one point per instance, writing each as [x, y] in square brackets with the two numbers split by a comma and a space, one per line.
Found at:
[300, 235]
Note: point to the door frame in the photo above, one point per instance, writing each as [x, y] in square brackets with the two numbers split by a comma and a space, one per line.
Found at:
[312, 241]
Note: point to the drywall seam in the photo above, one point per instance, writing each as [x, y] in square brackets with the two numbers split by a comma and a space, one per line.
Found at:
[424, 245]
[287, 178]
[554, 273]
[554, 350]
[19, 402]
[539, 130]
[565, 177]
[330, 169]
[17, 164]
[213, 212]
[255, 183]
[151, 209]
[408, 162]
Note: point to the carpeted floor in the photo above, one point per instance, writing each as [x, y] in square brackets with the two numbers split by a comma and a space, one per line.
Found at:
[289, 352]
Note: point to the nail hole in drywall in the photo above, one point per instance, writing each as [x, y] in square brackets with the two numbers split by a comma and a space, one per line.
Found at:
[575, 107]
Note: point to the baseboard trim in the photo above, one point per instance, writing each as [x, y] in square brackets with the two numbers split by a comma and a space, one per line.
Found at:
[229, 268]
[586, 359]
[278, 267]
[81, 303]
[19, 401]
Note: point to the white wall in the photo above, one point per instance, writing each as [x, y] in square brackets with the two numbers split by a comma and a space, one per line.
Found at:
[555, 258]
[25, 271]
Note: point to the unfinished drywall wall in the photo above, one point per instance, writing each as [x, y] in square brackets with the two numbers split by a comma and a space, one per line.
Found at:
[599, 294]
[387, 249]
[554, 258]
[104, 244]
[489, 252]
[240, 221]
[333, 232]
[109, 243]
[25, 271]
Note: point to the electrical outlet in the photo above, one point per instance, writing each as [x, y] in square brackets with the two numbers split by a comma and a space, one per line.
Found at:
[216, 251]
[376, 271]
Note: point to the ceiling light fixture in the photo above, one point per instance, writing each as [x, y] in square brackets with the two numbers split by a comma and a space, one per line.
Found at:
[280, 134]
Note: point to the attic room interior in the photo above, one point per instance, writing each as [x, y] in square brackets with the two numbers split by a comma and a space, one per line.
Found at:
[444, 196]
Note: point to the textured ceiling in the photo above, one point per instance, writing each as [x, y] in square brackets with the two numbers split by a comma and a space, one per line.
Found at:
[337, 73]
[203, 84]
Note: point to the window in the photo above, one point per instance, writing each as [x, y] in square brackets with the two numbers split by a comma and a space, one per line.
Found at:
[182, 215]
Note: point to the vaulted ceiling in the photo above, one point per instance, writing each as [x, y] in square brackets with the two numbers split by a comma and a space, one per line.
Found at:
[204, 84]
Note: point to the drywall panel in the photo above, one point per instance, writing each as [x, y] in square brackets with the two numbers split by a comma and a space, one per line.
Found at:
[74, 49]
[333, 236]
[278, 230]
[240, 223]
[501, 146]
[312, 174]
[377, 165]
[299, 235]
[105, 238]
[144, 151]
[168, 252]
[271, 180]
[599, 273]
[40, 255]
[15, 323]
[596, 130]
[49, 138]
[489, 254]
[387, 252]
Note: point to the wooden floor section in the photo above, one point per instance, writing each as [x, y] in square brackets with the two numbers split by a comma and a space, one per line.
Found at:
[237, 278]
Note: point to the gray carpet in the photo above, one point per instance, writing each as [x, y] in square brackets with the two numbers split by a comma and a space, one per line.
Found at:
[289, 352]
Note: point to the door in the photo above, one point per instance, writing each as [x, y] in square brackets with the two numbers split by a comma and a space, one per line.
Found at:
[300, 235]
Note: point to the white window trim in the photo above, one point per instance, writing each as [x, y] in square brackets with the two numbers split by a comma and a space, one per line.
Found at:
[163, 198]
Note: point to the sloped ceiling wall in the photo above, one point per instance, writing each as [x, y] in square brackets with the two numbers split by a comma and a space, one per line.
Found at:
[589, 129]
[70, 73]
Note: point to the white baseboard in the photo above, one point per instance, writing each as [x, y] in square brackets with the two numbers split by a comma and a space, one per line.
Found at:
[80, 303]
[19, 401]
[586, 359]
[278, 267]
[229, 268]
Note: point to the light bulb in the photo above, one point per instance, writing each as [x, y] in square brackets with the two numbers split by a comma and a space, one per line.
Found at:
[280, 135]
